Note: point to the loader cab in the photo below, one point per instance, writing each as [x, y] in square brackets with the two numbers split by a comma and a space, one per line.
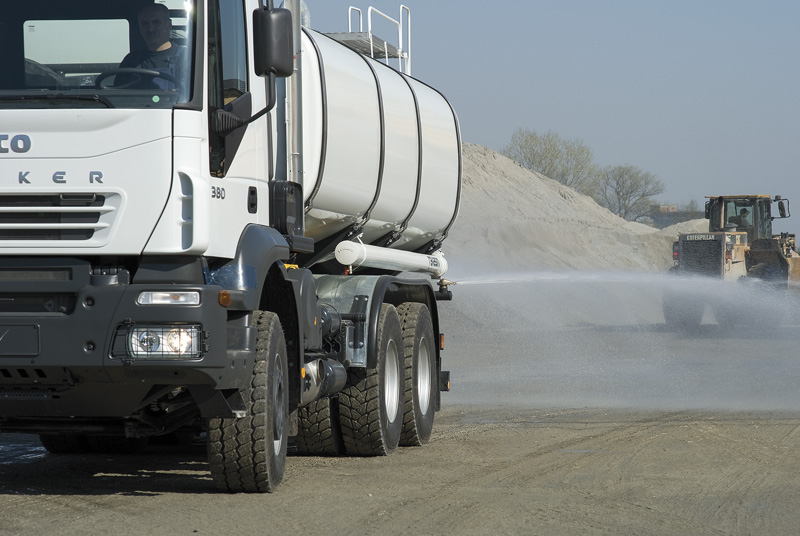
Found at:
[751, 214]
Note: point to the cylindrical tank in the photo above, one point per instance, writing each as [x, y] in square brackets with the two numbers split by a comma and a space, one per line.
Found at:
[380, 149]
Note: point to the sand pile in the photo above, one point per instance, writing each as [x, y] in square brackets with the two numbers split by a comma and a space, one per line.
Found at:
[512, 219]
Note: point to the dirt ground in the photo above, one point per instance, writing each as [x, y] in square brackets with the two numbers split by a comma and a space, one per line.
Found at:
[490, 471]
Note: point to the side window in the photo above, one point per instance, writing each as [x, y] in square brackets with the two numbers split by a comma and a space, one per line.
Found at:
[227, 69]
[764, 221]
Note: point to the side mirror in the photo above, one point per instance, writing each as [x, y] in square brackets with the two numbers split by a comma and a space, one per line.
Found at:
[708, 215]
[782, 209]
[273, 42]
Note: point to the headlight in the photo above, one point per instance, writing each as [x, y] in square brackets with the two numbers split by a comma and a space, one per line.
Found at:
[165, 342]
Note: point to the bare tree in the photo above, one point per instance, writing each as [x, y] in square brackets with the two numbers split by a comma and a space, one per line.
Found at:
[567, 161]
[691, 206]
[627, 191]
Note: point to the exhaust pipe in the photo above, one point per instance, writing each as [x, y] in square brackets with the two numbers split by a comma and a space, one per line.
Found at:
[356, 254]
[323, 377]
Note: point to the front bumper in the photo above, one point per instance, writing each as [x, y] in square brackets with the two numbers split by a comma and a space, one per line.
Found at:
[72, 360]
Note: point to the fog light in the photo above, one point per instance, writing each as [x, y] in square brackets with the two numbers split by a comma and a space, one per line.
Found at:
[165, 342]
[148, 341]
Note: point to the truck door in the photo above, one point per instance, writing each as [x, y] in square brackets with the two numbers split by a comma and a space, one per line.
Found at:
[236, 159]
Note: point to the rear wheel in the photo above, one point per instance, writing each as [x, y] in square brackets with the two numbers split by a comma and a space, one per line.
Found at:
[682, 310]
[319, 433]
[371, 404]
[421, 380]
[249, 454]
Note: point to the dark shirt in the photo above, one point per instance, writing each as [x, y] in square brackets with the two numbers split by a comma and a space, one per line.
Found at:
[170, 61]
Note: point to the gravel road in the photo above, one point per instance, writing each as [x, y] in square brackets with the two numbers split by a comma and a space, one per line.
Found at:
[486, 471]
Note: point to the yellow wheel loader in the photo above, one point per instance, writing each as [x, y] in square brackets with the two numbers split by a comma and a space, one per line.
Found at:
[739, 246]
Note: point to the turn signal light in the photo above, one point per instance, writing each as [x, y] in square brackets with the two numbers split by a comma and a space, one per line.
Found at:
[224, 298]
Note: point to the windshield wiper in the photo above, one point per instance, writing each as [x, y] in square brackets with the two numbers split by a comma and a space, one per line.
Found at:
[61, 96]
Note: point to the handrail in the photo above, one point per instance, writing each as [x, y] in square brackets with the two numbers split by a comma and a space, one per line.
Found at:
[404, 56]
[408, 34]
[372, 10]
[350, 19]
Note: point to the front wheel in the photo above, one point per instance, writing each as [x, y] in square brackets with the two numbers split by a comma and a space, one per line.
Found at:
[371, 404]
[248, 454]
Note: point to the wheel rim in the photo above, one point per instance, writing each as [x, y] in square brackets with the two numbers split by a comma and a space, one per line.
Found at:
[392, 382]
[424, 376]
[277, 404]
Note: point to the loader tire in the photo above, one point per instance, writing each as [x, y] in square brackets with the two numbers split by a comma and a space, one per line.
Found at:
[248, 454]
[371, 404]
[421, 378]
[770, 275]
[319, 432]
[770, 300]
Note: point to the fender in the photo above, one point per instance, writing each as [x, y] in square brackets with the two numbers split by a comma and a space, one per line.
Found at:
[259, 249]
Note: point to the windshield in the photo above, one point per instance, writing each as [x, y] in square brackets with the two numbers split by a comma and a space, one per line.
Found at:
[90, 53]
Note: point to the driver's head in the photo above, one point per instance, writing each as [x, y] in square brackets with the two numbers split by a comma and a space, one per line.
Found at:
[744, 212]
[155, 26]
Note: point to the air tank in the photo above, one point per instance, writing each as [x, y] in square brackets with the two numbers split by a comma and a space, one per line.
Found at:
[380, 149]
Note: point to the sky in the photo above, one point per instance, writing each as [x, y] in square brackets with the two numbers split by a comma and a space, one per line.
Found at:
[702, 93]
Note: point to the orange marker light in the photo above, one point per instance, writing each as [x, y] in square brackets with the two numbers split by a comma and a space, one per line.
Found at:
[224, 298]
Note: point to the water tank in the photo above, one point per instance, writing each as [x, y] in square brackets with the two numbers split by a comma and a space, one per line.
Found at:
[380, 149]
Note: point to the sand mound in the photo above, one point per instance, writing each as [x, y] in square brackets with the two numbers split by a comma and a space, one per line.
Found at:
[515, 219]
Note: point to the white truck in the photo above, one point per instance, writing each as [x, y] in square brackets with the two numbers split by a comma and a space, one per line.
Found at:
[246, 247]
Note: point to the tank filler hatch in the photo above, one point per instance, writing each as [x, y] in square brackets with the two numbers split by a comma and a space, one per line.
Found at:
[370, 45]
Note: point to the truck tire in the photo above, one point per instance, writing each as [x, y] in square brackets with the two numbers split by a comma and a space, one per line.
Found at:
[319, 432]
[249, 454]
[65, 443]
[371, 404]
[421, 380]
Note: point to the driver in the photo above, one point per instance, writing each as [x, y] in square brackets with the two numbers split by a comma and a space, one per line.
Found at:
[744, 214]
[161, 54]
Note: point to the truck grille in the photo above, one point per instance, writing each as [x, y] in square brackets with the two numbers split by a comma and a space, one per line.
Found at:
[53, 217]
[702, 257]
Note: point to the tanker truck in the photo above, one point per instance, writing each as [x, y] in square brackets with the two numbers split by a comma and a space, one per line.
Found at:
[242, 243]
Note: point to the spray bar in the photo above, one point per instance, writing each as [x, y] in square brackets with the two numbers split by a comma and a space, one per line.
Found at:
[357, 254]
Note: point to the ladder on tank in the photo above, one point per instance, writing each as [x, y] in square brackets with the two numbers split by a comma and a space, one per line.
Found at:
[368, 44]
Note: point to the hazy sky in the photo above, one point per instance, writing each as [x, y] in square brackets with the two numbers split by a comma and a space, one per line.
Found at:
[704, 94]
